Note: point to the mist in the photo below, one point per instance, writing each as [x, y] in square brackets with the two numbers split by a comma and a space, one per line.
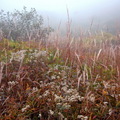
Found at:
[102, 14]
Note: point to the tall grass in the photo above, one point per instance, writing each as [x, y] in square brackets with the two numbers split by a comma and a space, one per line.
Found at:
[66, 78]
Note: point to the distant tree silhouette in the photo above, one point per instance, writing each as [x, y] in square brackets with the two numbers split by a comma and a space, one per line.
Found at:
[23, 25]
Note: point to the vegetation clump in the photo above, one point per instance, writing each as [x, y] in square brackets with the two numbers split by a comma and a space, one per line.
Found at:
[59, 78]
[23, 25]
[43, 83]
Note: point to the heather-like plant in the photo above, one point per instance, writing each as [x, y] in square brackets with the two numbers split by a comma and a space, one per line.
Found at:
[71, 81]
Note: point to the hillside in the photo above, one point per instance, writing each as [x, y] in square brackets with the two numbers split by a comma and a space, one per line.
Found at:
[65, 79]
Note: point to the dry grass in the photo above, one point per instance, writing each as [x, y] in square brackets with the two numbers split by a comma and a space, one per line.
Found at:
[66, 79]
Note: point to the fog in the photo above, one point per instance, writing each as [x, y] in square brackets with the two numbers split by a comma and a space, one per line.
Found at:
[103, 14]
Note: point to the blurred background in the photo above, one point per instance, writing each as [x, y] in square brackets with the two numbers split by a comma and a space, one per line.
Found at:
[95, 15]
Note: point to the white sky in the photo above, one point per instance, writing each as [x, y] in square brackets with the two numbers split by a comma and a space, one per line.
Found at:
[80, 10]
[57, 5]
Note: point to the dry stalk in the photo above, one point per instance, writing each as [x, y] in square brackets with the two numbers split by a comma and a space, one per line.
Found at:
[1, 70]
[98, 54]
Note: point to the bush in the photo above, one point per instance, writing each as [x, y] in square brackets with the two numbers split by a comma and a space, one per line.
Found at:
[23, 25]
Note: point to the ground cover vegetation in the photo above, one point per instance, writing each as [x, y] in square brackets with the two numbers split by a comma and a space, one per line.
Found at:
[63, 78]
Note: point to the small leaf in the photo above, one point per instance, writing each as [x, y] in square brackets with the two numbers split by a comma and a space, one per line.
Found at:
[118, 104]
[104, 92]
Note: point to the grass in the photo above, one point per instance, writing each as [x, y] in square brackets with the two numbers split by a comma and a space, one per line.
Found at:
[66, 79]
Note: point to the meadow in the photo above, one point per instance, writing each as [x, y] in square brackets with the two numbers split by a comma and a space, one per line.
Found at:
[66, 78]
